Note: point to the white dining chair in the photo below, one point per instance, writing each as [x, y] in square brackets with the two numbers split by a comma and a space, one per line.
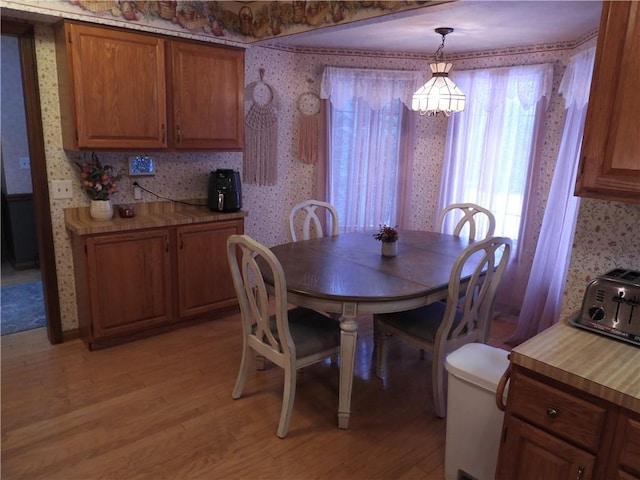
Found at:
[291, 339]
[304, 217]
[468, 214]
[464, 317]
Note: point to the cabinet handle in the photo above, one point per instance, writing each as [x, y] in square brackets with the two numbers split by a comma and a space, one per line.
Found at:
[552, 412]
[166, 243]
[501, 386]
[164, 132]
[179, 134]
[580, 472]
[181, 241]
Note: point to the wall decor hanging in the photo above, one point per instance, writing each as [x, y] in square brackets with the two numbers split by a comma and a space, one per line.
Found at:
[261, 134]
[309, 105]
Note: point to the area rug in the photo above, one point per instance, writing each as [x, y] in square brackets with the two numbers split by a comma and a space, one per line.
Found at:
[21, 308]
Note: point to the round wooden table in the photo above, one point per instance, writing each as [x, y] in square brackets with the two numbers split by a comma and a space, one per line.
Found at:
[347, 274]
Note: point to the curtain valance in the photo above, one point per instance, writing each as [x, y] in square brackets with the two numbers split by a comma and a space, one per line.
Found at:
[576, 81]
[376, 87]
[490, 88]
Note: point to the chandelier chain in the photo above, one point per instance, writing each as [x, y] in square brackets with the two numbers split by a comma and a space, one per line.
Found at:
[439, 53]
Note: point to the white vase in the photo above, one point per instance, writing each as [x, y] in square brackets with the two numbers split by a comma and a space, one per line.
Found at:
[101, 210]
[389, 249]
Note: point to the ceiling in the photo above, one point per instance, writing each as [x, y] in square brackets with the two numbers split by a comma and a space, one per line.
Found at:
[479, 25]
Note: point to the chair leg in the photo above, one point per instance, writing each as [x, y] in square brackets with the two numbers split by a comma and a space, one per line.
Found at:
[260, 362]
[288, 398]
[242, 374]
[381, 350]
[437, 375]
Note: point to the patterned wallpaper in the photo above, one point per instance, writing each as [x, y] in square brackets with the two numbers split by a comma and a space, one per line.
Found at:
[605, 236]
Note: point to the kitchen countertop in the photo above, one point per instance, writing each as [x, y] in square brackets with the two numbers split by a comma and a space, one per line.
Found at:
[604, 367]
[148, 215]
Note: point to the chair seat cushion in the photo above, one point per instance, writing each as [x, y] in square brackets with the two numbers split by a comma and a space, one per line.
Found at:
[312, 332]
[422, 322]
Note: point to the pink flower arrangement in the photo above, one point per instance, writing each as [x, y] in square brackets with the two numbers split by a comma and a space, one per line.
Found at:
[99, 181]
[387, 234]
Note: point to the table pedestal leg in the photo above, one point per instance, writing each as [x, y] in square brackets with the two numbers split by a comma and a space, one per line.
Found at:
[348, 337]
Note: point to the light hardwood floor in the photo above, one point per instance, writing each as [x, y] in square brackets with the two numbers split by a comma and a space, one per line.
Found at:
[161, 408]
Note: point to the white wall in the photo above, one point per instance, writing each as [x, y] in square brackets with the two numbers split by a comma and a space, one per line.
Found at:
[14, 127]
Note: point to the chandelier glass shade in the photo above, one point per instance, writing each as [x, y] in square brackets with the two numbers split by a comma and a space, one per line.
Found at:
[439, 94]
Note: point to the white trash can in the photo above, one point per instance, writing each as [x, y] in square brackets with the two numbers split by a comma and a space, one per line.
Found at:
[474, 423]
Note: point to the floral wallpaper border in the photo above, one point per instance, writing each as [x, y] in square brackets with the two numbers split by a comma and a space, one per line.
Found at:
[238, 21]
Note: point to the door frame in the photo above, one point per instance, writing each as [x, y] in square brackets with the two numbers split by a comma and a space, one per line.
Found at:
[40, 186]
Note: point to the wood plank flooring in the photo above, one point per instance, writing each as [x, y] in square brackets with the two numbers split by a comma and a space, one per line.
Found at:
[161, 408]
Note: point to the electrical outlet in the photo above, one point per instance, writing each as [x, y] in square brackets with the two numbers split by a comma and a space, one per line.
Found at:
[137, 193]
[61, 189]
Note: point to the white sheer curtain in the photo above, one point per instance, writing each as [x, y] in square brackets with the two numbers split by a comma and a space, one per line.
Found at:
[370, 153]
[490, 146]
[491, 157]
[543, 296]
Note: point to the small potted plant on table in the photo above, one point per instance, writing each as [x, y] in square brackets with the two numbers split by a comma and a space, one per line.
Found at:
[389, 238]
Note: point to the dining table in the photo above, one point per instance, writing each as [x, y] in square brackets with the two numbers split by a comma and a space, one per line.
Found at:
[346, 274]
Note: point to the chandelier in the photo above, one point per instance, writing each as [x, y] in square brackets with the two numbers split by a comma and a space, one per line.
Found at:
[439, 94]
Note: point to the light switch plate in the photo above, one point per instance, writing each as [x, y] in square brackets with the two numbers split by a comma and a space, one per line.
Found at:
[61, 189]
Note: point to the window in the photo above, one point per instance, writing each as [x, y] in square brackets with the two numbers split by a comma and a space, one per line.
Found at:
[371, 140]
[490, 146]
[364, 163]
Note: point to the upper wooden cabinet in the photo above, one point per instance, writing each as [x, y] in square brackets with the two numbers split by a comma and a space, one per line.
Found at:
[128, 90]
[112, 88]
[610, 161]
[206, 96]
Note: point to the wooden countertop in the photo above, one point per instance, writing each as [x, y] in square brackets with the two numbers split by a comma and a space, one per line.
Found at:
[148, 215]
[604, 367]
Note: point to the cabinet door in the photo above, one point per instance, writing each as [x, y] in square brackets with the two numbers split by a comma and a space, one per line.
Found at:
[610, 161]
[528, 453]
[204, 277]
[206, 97]
[129, 282]
[116, 81]
[625, 451]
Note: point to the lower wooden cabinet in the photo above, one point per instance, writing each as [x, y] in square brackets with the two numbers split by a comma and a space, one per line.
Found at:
[552, 431]
[129, 282]
[530, 453]
[625, 452]
[203, 270]
[140, 282]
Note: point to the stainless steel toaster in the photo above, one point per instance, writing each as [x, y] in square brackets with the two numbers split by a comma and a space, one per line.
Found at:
[611, 306]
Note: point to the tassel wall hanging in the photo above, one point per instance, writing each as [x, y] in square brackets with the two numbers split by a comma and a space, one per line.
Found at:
[309, 106]
[261, 150]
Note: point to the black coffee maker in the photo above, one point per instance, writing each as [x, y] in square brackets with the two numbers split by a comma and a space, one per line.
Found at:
[225, 191]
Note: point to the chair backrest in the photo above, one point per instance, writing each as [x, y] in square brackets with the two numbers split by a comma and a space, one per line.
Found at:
[470, 304]
[466, 214]
[246, 257]
[312, 223]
